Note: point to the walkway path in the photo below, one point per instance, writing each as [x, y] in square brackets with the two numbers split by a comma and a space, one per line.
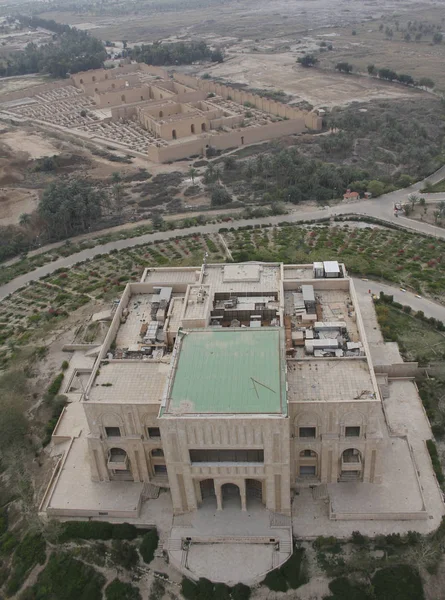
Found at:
[380, 208]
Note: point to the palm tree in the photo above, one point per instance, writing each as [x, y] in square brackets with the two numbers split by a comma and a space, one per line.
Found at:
[192, 174]
[413, 198]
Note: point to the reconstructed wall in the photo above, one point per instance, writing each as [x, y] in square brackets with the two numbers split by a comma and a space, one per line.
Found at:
[232, 139]
[312, 120]
[35, 90]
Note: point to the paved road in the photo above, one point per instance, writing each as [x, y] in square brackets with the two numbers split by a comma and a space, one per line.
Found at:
[430, 308]
[381, 208]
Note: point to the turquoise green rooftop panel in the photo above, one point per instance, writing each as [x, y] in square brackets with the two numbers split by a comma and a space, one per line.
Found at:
[229, 371]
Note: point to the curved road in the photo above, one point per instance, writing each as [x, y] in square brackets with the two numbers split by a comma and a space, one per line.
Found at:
[380, 208]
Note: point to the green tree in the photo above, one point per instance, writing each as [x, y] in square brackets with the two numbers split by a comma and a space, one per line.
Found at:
[70, 207]
[192, 173]
[426, 82]
[124, 554]
[376, 188]
[437, 38]
[24, 219]
[118, 590]
[413, 199]
[220, 196]
[344, 67]
[372, 70]
[308, 60]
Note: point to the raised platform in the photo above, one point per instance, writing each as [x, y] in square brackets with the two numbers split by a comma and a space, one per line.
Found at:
[230, 545]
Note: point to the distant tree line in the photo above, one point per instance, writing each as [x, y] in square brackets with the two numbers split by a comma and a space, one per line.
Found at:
[181, 53]
[70, 51]
[391, 75]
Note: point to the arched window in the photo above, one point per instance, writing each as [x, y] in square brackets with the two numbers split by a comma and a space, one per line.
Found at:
[161, 114]
[174, 134]
[94, 78]
[81, 81]
[123, 97]
[192, 128]
[308, 454]
[157, 452]
[203, 127]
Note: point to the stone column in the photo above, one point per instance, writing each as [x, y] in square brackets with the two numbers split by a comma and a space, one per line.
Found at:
[218, 497]
[242, 489]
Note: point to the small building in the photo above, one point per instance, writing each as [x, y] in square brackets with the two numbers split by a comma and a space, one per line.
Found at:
[351, 195]
[331, 268]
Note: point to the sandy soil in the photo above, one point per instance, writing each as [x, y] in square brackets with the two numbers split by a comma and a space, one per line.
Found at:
[14, 202]
[319, 88]
[34, 145]
[12, 84]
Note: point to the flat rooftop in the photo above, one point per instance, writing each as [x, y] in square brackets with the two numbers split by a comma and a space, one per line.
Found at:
[243, 277]
[223, 371]
[329, 380]
[130, 381]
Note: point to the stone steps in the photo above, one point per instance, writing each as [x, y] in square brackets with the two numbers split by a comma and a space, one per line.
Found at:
[320, 492]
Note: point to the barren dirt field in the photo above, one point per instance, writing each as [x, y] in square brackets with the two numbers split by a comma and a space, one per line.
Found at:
[14, 202]
[319, 88]
[34, 145]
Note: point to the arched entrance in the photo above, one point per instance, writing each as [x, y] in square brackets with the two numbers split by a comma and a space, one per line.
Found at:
[119, 464]
[254, 492]
[208, 495]
[351, 467]
[231, 496]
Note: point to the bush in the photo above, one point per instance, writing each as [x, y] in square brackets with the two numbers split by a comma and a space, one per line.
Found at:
[65, 365]
[29, 552]
[343, 589]
[276, 581]
[99, 530]
[67, 578]
[148, 546]
[124, 554]
[221, 592]
[435, 460]
[294, 570]
[54, 388]
[118, 590]
[240, 591]
[189, 589]
[358, 539]
[401, 582]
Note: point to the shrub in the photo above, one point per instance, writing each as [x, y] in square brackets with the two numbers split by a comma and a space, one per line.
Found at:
[124, 554]
[67, 578]
[54, 388]
[29, 552]
[189, 589]
[294, 570]
[343, 589]
[435, 460]
[358, 538]
[118, 590]
[400, 582]
[221, 592]
[240, 591]
[276, 581]
[148, 546]
[99, 530]
[65, 365]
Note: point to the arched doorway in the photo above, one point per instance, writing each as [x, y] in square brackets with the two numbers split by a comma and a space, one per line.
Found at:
[208, 496]
[192, 128]
[351, 467]
[174, 134]
[231, 496]
[119, 464]
[254, 493]
[203, 127]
